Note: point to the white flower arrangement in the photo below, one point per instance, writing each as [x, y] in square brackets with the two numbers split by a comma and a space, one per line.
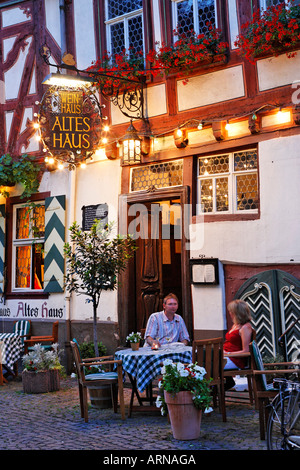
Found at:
[179, 377]
[40, 359]
[134, 337]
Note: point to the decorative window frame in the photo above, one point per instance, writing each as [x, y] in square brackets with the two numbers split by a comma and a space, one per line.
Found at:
[21, 242]
[234, 214]
[195, 14]
[53, 245]
[124, 18]
[264, 6]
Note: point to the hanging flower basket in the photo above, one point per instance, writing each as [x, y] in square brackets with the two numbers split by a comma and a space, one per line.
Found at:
[273, 32]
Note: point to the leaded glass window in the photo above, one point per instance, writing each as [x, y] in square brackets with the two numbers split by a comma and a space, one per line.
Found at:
[158, 175]
[124, 22]
[28, 247]
[194, 15]
[228, 183]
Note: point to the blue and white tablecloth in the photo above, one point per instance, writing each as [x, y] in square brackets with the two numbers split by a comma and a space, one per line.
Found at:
[145, 364]
[10, 348]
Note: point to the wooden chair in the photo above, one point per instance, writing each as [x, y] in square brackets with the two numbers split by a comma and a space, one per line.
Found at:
[23, 329]
[114, 379]
[262, 390]
[247, 372]
[45, 341]
[2, 378]
[208, 353]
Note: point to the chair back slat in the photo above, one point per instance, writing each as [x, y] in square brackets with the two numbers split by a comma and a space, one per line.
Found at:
[208, 354]
[258, 363]
[55, 332]
[22, 328]
[77, 359]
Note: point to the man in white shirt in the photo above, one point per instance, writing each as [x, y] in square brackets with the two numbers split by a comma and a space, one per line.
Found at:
[166, 326]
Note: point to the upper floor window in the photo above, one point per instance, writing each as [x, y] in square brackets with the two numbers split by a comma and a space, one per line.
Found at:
[124, 23]
[273, 3]
[28, 247]
[194, 15]
[228, 183]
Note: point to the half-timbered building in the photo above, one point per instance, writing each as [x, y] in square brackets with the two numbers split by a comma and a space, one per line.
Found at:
[213, 196]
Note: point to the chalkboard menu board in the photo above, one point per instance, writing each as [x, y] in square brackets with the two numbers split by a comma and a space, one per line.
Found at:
[90, 213]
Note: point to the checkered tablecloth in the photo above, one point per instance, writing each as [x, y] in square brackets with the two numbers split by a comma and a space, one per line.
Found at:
[10, 348]
[145, 364]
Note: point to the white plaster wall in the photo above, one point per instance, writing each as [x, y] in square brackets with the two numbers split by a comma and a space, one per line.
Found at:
[98, 183]
[155, 104]
[233, 22]
[210, 88]
[53, 19]
[278, 71]
[271, 239]
[84, 33]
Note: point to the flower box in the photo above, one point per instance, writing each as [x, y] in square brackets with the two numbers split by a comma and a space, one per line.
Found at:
[35, 382]
[271, 33]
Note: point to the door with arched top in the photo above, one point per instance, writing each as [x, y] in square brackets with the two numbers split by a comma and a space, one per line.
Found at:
[274, 300]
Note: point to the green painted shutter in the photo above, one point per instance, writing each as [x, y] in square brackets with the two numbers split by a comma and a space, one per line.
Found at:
[55, 209]
[2, 246]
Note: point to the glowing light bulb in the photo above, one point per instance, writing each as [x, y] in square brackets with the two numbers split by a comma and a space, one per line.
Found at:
[82, 165]
[104, 140]
[106, 128]
[61, 166]
[179, 132]
[36, 125]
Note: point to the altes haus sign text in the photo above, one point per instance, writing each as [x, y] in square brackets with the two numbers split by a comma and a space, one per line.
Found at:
[70, 129]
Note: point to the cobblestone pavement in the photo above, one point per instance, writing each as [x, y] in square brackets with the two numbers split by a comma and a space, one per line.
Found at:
[52, 421]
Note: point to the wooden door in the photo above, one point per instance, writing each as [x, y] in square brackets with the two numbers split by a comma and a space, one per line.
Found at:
[274, 300]
[161, 262]
[148, 267]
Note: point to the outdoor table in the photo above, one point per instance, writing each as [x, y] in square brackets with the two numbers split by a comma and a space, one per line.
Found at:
[144, 365]
[11, 349]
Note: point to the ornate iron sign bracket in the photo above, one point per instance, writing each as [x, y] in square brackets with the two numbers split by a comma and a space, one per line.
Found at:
[125, 93]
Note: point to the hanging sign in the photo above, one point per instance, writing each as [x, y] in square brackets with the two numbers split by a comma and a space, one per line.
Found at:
[70, 129]
[70, 123]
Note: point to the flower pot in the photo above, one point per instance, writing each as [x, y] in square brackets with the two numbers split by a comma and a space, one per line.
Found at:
[184, 417]
[54, 380]
[100, 396]
[135, 346]
[35, 382]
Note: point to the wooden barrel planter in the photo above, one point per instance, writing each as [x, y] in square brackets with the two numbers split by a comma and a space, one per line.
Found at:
[35, 382]
[100, 396]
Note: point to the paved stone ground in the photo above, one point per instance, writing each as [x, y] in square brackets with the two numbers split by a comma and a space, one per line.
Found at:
[52, 421]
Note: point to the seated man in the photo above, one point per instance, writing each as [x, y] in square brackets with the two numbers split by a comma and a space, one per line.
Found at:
[166, 326]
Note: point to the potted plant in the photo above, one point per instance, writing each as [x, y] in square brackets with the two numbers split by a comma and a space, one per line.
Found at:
[134, 339]
[23, 170]
[272, 32]
[94, 260]
[42, 370]
[186, 395]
